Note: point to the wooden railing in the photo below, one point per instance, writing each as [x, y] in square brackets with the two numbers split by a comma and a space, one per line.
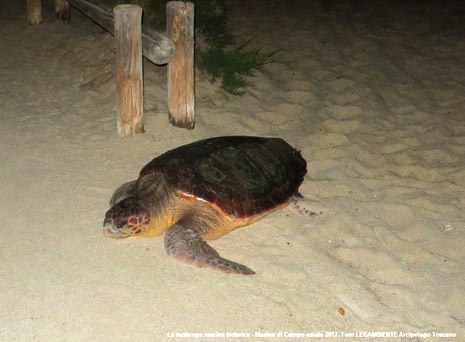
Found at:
[175, 48]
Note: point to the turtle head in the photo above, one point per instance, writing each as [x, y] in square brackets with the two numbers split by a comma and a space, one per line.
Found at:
[126, 218]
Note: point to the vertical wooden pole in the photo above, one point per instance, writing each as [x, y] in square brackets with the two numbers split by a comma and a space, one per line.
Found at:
[180, 29]
[129, 83]
[34, 11]
[62, 10]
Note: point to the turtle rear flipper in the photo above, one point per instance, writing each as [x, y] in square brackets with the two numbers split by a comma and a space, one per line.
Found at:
[187, 245]
[302, 205]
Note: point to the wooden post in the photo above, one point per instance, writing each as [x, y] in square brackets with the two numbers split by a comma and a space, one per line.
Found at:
[129, 84]
[34, 11]
[180, 29]
[62, 10]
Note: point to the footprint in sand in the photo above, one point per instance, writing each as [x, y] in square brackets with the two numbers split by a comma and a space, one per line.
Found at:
[343, 112]
[302, 85]
[343, 99]
[299, 96]
[438, 156]
[340, 126]
[331, 140]
[282, 113]
[341, 84]
[274, 118]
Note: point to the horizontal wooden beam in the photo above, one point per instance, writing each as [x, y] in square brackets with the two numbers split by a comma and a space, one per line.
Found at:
[156, 46]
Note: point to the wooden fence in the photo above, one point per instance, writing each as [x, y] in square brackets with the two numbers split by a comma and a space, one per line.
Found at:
[175, 47]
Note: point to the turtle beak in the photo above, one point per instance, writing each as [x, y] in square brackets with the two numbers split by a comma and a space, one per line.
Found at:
[113, 232]
[110, 230]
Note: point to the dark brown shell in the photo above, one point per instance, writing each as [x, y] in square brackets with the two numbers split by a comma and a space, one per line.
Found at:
[244, 176]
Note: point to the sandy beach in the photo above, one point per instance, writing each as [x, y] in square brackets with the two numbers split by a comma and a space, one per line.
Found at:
[372, 95]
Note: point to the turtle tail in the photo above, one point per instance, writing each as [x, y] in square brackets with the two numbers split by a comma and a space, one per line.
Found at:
[187, 245]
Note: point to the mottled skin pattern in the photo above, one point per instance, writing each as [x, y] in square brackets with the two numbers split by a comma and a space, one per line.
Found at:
[204, 190]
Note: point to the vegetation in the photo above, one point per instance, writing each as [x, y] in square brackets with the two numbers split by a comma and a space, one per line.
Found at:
[221, 57]
[232, 66]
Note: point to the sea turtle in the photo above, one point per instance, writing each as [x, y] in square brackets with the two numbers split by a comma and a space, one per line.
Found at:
[204, 190]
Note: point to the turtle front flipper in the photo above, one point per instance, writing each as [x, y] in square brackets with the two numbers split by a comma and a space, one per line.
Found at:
[123, 191]
[187, 245]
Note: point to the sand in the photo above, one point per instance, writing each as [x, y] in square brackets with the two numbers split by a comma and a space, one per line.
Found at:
[374, 97]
